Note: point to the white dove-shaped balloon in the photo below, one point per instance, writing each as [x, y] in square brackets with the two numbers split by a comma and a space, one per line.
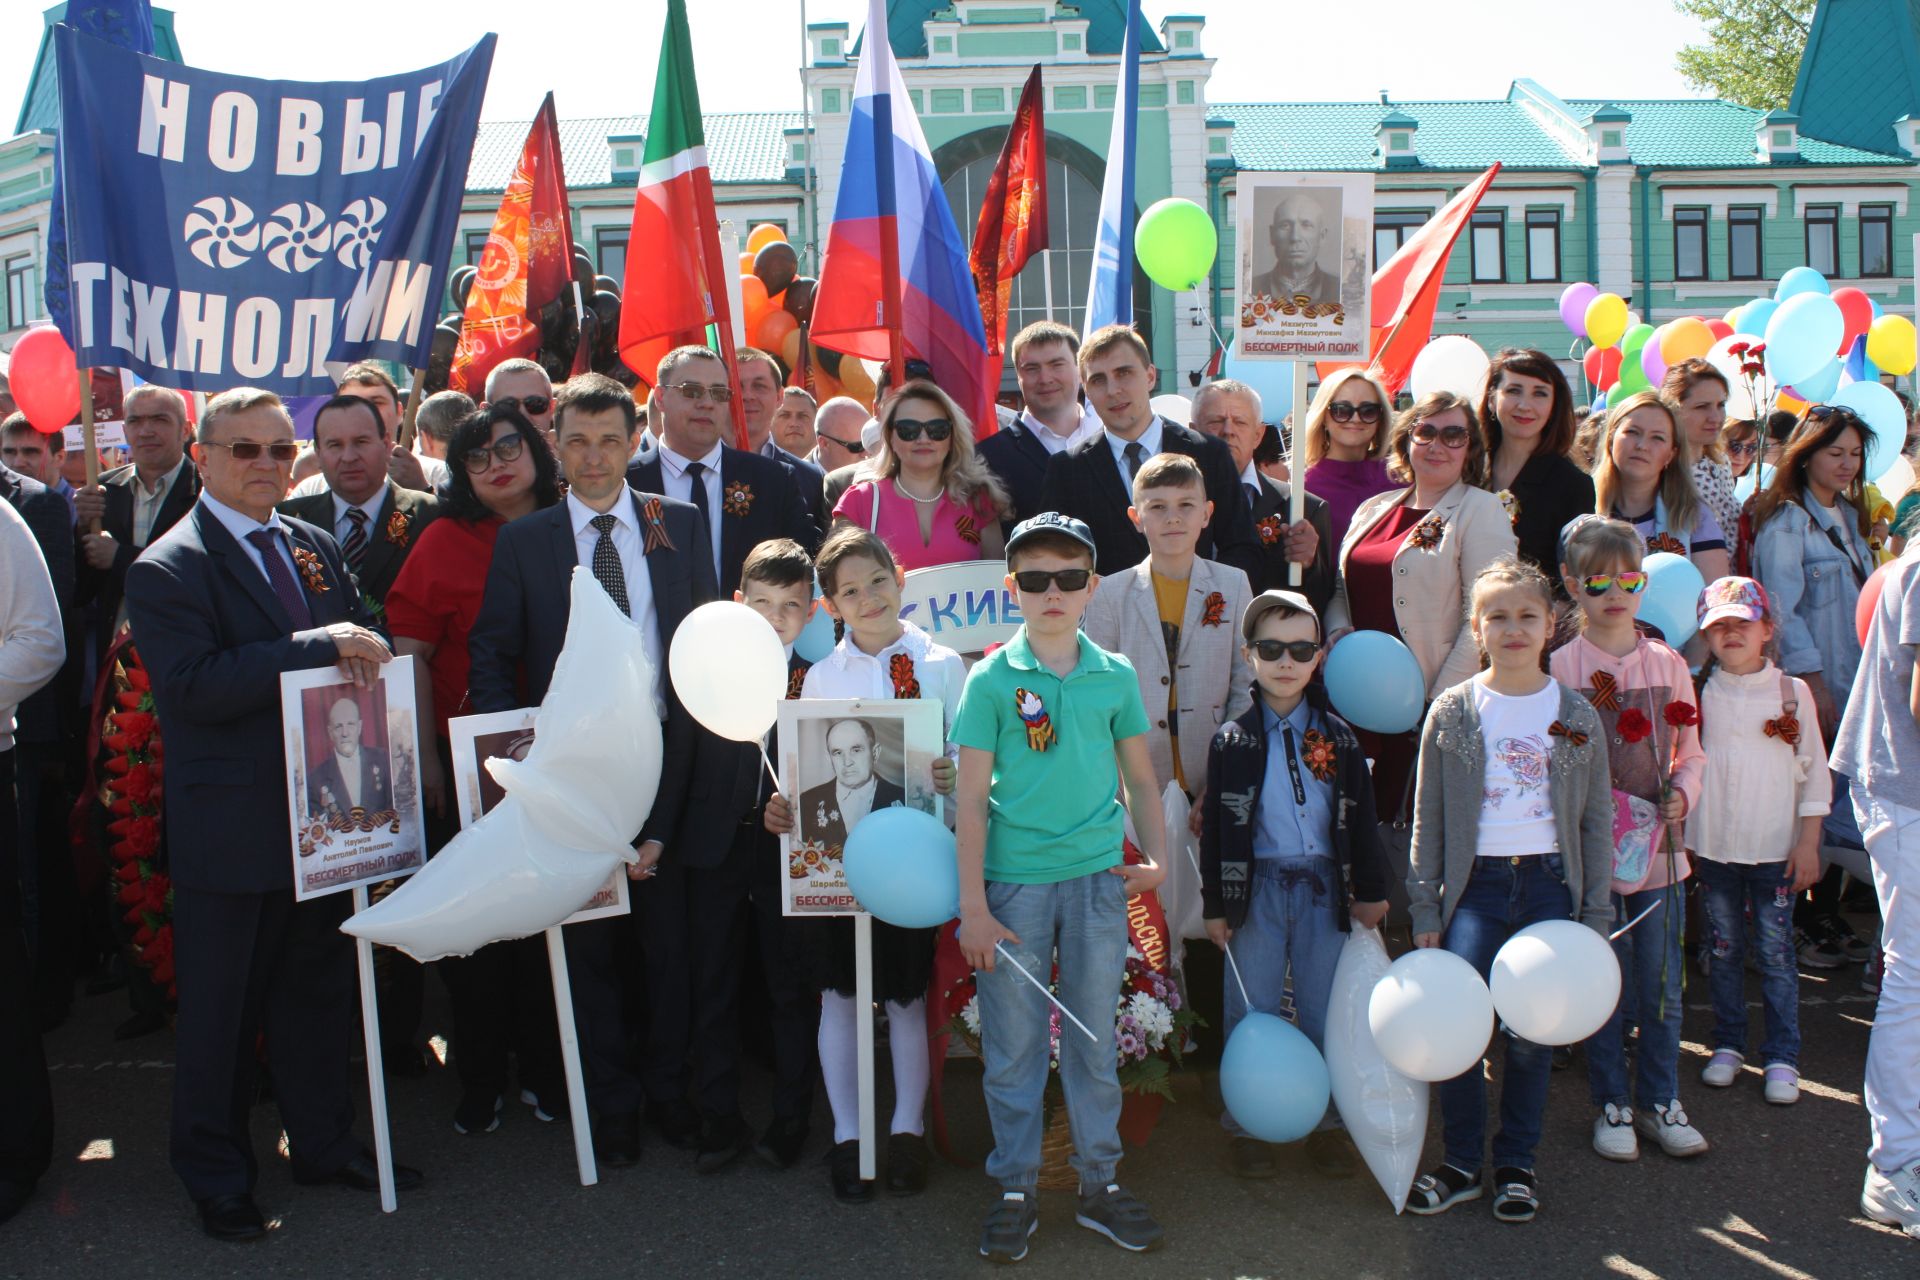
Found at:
[571, 811]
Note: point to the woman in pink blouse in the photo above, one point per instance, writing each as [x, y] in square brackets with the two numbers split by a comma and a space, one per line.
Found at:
[933, 501]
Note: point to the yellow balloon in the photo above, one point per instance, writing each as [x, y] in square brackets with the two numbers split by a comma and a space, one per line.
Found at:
[1606, 319]
[1784, 403]
[1890, 344]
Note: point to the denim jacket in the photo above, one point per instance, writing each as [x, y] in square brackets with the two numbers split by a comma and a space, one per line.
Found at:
[1813, 589]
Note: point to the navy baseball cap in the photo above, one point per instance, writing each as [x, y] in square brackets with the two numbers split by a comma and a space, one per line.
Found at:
[1052, 522]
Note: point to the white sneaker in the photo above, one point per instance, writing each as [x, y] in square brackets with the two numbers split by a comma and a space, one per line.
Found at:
[1723, 1068]
[1782, 1087]
[1893, 1198]
[1613, 1134]
[1668, 1126]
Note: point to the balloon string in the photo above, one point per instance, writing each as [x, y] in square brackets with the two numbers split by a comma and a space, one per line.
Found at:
[1232, 964]
[1657, 904]
[1041, 987]
[769, 763]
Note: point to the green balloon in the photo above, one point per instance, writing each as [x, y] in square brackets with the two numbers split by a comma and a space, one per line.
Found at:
[1620, 392]
[1633, 376]
[1630, 345]
[1175, 243]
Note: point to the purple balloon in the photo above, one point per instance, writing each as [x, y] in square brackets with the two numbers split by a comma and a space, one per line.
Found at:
[1650, 362]
[1573, 306]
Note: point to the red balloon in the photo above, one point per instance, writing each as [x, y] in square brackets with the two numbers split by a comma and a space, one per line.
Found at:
[1869, 601]
[1856, 310]
[43, 379]
[1603, 366]
[1721, 329]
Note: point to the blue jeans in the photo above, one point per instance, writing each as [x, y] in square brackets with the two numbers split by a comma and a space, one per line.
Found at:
[1502, 897]
[1290, 921]
[1730, 890]
[1651, 966]
[1085, 921]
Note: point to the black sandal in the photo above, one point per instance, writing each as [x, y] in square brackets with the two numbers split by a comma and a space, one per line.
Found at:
[1515, 1197]
[1442, 1189]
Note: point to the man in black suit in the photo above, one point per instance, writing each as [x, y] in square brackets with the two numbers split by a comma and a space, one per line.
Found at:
[223, 603]
[353, 775]
[1229, 411]
[1093, 481]
[375, 521]
[652, 554]
[828, 811]
[133, 504]
[1045, 361]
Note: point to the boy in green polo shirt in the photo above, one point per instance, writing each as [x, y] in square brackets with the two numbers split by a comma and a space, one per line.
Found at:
[1047, 726]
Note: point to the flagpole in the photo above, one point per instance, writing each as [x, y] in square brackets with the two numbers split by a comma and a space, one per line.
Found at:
[404, 437]
[88, 437]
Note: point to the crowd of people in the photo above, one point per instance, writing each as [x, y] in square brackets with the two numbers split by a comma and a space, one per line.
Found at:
[1571, 764]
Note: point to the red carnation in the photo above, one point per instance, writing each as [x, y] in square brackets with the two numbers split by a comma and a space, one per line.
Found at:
[117, 764]
[1679, 714]
[137, 725]
[137, 677]
[1634, 725]
[122, 806]
[118, 743]
[130, 893]
[143, 835]
[138, 784]
[127, 872]
[130, 700]
[1737, 348]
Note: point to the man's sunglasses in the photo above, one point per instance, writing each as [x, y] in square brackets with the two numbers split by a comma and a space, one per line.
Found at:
[1633, 582]
[250, 450]
[479, 458]
[1451, 437]
[855, 448]
[698, 391]
[1301, 651]
[911, 429]
[1342, 411]
[1034, 582]
[535, 405]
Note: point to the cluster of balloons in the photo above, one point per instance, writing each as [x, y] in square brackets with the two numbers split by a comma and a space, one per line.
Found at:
[43, 379]
[777, 312]
[561, 332]
[1627, 354]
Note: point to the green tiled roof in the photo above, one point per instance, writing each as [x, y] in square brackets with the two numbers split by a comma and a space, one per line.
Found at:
[1106, 27]
[741, 147]
[40, 108]
[1706, 133]
[1860, 71]
[1341, 135]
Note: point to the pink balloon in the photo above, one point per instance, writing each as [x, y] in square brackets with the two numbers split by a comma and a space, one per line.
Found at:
[42, 377]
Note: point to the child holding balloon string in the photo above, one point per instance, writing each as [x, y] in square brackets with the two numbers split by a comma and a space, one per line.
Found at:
[1643, 693]
[879, 657]
[1756, 833]
[1512, 828]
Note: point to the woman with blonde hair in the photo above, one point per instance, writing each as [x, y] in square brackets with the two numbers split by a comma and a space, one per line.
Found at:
[1643, 474]
[1345, 446]
[1698, 393]
[930, 499]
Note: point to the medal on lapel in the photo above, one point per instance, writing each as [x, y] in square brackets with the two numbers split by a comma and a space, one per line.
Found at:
[311, 570]
[736, 498]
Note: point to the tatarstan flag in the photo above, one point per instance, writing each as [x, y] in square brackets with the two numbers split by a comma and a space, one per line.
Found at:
[676, 281]
[527, 264]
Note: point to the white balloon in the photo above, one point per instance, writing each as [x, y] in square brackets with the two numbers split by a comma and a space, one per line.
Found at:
[730, 669]
[1431, 1015]
[1896, 479]
[1384, 1111]
[1555, 982]
[1176, 408]
[1180, 891]
[1451, 363]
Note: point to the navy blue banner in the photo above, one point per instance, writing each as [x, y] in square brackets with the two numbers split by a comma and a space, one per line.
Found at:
[224, 231]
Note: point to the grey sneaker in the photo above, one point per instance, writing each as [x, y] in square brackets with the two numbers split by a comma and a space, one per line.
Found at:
[1014, 1219]
[1115, 1214]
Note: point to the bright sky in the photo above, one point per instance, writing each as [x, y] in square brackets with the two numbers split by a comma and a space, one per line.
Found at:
[748, 51]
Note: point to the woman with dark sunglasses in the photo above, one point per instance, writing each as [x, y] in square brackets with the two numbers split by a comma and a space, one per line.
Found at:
[1346, 445]
[930, 499]
[1527, 410]
[500, 469]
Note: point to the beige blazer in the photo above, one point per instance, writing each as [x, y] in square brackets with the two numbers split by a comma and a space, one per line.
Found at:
[1431, 584]
[1213, 678]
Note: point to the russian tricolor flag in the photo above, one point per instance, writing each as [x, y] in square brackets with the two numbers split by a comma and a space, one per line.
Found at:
[894, 259]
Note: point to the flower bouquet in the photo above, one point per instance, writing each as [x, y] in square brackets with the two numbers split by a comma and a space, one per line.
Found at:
[131, 760]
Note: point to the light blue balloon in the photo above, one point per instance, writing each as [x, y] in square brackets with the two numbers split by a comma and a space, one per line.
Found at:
[1802, 337]
[1273, 1080]
[1880, 409]
[901, 866]
[1272, 379]
[1754, 316]
[1375, 682]
[1819, 388]
[1798, 281]
[816, 641]
[1673, 596]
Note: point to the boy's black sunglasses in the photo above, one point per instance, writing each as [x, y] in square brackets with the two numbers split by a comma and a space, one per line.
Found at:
[1035, 582]
[1299, 650]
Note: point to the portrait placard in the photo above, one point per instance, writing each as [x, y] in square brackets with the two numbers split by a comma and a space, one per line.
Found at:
[1305, 271]
[353, 778]
[507, 735]
[841, 759]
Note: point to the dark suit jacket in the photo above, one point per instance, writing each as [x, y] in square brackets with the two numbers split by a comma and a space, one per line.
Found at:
[729, 785]
[104, 588]
[215, 640]
[1016, 455]
[522, 625]
[50, 520]
[813, 485]
[822, 800]
[836, 484]
[775, 507]
[1270, 521]
[376, 784]
[1086, 483]
[384, 555]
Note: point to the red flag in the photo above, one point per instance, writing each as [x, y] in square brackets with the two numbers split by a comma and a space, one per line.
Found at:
[1406, 288]
[1012, 227]
[527, 264]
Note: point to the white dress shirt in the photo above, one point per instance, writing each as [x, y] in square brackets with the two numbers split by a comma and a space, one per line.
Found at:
[342, 525]
[633, 567]
[855, 804]
[32, 646]
[146, 506]
[240, 525]
[1148, 440]
[1089, 425]
[676, 482]
[349, 767]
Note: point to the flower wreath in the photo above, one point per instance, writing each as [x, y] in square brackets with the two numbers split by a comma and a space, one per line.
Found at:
[312, 570]
[131, 757]
[736, 498]
[1270, 529]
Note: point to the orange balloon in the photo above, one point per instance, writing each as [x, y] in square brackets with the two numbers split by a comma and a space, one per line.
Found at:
[857, 381]
[753, 302]
[746, 264]
[773, 329]
[762, 236]
[790, 349]
[825, 385]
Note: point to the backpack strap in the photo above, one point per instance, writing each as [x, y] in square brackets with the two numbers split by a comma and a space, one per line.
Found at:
[1789, 704]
